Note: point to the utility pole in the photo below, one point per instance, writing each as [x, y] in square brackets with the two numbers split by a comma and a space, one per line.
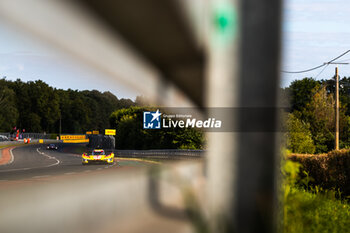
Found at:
[336, 110]
[336, 133]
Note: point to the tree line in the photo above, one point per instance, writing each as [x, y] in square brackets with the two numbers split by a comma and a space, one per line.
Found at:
[128, 123]
[37, 107]
[310, 122]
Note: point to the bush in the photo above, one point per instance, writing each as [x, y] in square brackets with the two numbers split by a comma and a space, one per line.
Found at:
[314, 212]
[329, 171]
[311, 210]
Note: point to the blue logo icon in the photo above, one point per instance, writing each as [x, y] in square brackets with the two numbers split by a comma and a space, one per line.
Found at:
[151, 120]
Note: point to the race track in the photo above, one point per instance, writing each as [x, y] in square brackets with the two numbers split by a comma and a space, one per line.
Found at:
[35, 162]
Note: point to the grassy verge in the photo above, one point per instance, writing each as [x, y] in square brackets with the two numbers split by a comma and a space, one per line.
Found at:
[310, 210]
[16, 145]
[306, 211]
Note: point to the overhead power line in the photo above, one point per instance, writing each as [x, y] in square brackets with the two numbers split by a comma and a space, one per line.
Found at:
[321, 71]
[316, 67]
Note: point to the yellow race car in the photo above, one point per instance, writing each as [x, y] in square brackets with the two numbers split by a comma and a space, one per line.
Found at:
[97, 156]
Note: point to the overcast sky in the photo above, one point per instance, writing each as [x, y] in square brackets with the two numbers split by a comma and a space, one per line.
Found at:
[313, 32]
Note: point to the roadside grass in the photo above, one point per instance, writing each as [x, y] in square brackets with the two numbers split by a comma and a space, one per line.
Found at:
[16, 145]
[310, 210]
[3, 146]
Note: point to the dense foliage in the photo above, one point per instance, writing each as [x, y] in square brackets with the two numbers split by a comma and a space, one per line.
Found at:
[37, 107]
[131, 135]
[328, 171]
[299, 138]
[308, 208]
[312, 115]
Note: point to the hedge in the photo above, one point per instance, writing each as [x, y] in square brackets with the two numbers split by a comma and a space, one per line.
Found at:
[329, 171]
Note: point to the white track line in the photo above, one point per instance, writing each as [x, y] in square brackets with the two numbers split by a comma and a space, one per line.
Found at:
[29, 168]
[12, 157]
[70, 173]
[38, 177]
[50, 157]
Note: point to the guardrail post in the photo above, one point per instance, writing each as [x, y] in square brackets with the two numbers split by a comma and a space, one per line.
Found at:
[243, 70]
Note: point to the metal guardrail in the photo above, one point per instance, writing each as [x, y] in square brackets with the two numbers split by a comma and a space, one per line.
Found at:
[32, 141]
[103, 202]
[30, 135]
[161, 154]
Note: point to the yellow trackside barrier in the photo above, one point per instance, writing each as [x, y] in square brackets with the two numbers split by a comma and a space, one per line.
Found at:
[75, 140]
[73, 137]
[41, 141]
[110, 131]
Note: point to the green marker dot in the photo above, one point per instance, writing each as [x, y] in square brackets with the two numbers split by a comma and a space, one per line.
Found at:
[225, 21]
[222, 21]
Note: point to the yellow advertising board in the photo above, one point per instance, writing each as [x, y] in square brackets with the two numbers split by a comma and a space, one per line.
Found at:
[110, 131]
[75, 140]
[95, 132]
[88, 132]
[73, 137]
[41, 141]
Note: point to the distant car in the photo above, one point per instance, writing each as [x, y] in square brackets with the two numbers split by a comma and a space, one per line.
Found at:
[97, 156]
[51, 147]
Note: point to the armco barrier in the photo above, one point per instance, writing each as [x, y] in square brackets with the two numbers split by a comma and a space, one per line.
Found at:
[30, 135]
[161, 154]
[31, 141]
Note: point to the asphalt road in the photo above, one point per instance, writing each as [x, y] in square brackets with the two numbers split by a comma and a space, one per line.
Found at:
[35, 162]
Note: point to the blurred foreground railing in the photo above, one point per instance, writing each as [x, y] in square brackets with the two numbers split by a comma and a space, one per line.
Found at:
[241, 40]
[138, 200]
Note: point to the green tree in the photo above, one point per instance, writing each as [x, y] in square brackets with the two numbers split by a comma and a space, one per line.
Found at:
[299, 138]
[38, 107]
[301, 91]
[9, 112]
[319, 113]
[131, 135]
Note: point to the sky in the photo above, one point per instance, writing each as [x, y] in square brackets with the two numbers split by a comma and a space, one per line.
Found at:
[313, 32]
[23, 57]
